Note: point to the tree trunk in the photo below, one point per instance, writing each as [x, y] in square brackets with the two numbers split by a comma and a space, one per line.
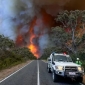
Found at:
[73, 40]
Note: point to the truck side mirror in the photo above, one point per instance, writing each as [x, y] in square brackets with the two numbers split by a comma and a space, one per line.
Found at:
[49, 59]
[53, 63]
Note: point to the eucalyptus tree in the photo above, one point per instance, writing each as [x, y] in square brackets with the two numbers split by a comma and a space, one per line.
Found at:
[59, 37]
[72, 20]
[5, 43]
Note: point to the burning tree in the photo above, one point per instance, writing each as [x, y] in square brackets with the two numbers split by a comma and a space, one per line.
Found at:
[72, 22]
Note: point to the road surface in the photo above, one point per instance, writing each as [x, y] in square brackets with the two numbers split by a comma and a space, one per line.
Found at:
[34, 73]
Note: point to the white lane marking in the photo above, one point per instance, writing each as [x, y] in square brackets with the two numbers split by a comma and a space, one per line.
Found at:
[38, 78]
[15, 72]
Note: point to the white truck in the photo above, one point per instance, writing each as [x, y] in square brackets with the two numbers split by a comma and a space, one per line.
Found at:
[62, 65]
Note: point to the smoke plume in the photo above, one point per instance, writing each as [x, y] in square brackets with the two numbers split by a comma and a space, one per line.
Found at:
[28, 22]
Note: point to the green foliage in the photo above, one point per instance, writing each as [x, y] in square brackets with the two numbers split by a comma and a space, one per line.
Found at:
[72, 20]
[50, 50]
[59, 37]
[79, 55]
[10, 55]
[24, 52]
[83, 37]
[68, 41]
[6, 43]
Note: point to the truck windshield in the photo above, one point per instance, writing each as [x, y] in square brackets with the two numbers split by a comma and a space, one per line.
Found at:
[62, 58]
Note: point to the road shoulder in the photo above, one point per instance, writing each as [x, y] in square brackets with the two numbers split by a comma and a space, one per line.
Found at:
[7, 72]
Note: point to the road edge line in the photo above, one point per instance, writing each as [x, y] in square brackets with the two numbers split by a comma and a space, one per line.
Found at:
[14, 72]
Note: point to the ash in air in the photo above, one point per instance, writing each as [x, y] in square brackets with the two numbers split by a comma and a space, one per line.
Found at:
[28, 22]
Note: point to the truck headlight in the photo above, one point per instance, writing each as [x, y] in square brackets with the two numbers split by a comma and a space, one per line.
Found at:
[59, 67]
[79, 69]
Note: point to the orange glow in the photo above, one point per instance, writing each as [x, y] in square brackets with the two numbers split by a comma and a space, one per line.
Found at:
[48, 21]
[32, 46]
[33, 49]
[19, 40]
[80, 32]
[42, 23]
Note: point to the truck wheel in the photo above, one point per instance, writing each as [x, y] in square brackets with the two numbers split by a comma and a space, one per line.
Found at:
[80, 79]
[49, 71]
[54, 76]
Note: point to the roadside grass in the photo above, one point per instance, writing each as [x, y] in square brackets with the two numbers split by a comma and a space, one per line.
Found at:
[9, 62]
[10, 59]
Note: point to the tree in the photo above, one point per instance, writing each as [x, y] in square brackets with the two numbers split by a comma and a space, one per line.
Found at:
[59, 37]
[5, 43]
[23, 52]
[72, 20]
[49, 50]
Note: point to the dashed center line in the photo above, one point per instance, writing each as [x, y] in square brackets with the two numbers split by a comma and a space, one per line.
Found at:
[38, 77]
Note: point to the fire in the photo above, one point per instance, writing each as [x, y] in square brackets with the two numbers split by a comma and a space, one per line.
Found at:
[34, 18]
[37, 29]
[39, 26]
[41, 23]
[33, 47]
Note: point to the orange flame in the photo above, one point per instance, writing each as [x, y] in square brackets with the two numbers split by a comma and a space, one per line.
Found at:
[32, 46]
[48, 21]
[44, 22]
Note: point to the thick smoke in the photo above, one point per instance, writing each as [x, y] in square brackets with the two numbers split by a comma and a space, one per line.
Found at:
[14, 13]
[16, 17]
[50, 2]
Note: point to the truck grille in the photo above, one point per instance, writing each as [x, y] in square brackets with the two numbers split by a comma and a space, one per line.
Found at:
[71, 69]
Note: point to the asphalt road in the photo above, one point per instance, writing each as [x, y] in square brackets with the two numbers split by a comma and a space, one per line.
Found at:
[34, 73]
